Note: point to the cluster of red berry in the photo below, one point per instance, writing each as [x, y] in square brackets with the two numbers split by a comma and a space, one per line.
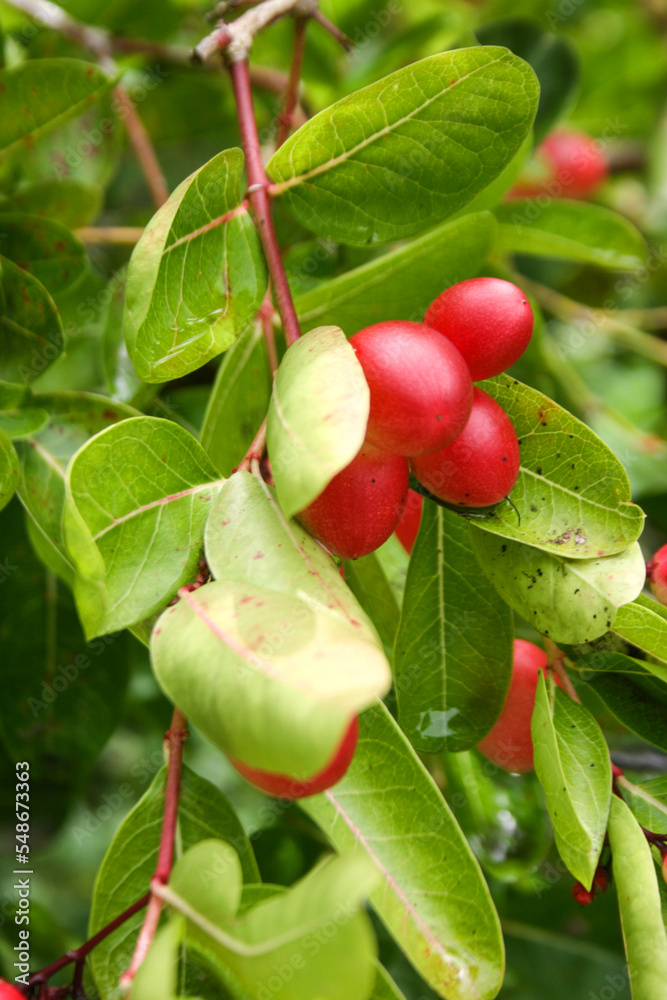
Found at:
[426, 415]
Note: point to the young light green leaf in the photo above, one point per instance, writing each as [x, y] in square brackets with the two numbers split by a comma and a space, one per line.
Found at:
[639, 902]
[562, 502]
[572, 764]
[401, 284]
[31, 333]
[238, 401]
[638, 700]
[41, 94]
[73, 417]
[570, 230]
[553, 58]
[570, 600]
[295, 673]
[453, 657]
[9, 469]
[130, 861]
[46, 249]
[142, 488]
[644, 624]
[385, 988]
[197, 275]
[157, 976]
[317, 417]
[410, 150]
[210, 878]
[23, 423]
[368, 582]
[291, 931]
[433, 898]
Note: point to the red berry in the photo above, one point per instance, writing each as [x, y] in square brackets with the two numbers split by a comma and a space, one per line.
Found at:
[489, 320]
[656, 570]
[482, 464]
[284, 787]
[509, 744]
[408, 527]
[9, 992]
[361, 506]
[601, 879]
[420, 386]
[582, 895]
[572, 166]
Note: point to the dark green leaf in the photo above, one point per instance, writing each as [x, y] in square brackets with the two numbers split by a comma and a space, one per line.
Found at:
[433, 897]
[453, 658]
[197, 275]
[369, 584]
[406, 152]
[572, 763]
[46, 249]
[40, 95]
[570, 230]
[639, 701]
[31, 334]
[572, 495]
[403, 283]
[9, 469]
[238, 402]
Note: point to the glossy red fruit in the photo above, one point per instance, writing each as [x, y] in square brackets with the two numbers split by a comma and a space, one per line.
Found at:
[568, 164]
[481, 467]
[408, 527]
[420, 386]
[284, 787]
[9, 992]
[509, 744]
[656, 570]
[361, 506]
[489, 320]
[582, 895]
[601, 879]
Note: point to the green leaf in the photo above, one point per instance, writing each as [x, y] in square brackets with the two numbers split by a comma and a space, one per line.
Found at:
[403, 283]
[197, 275]
[286, 938]
[570, 600]
[157, 976]
[368, 582]
[41, 94]
[9, 469]
[404, 153]
[46, 249]
[74, 417]
[553, 58]
[23, 423]
[238, 401]
[644, 624]
[63, 697]
[210, 878]
[137, 498]
[648, 801]
[453, 659]
[639, 701]
[572, 495]
[385, 988]
[69, 202]
[31, 333]
[433, 898]
[572, 764]
[129, 863]
[570, 230]
[318, 415]
[609, 661]
[295, 673]
[639, 903]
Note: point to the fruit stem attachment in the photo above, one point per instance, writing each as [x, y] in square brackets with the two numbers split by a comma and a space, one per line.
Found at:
[555, 663]
[259, 198]
[174, 739]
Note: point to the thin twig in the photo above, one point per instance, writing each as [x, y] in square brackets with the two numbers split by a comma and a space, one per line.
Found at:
[173, 745]
[266, 314]
[331, 28]
[256, 449]
[110, 234]
[143, 148]
[259, 199]
[237, 38]
[286, 117]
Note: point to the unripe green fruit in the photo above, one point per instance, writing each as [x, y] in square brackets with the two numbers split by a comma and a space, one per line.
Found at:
[284, 787]
[361, 506]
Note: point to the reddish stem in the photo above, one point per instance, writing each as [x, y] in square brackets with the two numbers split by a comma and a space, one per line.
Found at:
[174, 739]
[256, 449]
[80, 953]
[266, 319]
[143, 148]
[286, 116]
[259, 199]
[335, 32]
